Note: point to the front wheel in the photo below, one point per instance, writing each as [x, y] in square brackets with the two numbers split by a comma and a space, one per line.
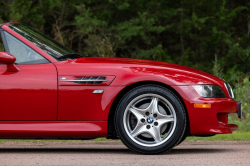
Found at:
[150, 120]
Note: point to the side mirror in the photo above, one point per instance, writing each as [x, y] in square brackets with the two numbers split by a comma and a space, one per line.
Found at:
[9, 60]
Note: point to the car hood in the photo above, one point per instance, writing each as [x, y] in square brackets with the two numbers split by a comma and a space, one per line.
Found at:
[180, 75]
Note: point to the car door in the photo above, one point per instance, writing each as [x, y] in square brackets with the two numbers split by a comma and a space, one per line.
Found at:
[31, 93]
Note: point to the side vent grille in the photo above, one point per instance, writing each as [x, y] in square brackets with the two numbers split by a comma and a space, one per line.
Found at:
[90, 80]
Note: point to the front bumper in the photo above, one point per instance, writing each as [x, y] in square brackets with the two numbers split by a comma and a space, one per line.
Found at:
[208, 121]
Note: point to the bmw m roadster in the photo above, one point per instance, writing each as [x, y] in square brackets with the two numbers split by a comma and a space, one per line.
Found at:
[50, 92]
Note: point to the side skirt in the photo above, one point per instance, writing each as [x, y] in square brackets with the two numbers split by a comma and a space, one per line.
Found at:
[53, 129]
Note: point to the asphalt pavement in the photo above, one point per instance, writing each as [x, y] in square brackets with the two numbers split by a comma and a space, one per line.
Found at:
[224, 153]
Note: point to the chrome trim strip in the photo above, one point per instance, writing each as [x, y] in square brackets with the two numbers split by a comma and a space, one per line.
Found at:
[83, 80]
[229, 90]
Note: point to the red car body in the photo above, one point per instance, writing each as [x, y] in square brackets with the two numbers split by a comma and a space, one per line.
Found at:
[35, 102]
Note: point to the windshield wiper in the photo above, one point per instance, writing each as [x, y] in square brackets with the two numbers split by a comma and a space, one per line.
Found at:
[70, 55]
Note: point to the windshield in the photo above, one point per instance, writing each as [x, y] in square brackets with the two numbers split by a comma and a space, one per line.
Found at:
[45, 43]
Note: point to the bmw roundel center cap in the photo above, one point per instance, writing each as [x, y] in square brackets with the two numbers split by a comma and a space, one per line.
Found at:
[150, 120]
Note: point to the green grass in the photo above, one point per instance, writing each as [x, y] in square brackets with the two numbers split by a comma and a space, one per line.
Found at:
[102, 139]
[236, 136]
[42, 141]
[21, 140]
[45, 141]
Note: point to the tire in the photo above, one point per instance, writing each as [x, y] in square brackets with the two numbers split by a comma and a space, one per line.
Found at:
[150, 120]
[182, 139]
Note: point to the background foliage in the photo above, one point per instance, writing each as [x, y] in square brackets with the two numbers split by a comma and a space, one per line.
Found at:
[242, 92]
[210, 35]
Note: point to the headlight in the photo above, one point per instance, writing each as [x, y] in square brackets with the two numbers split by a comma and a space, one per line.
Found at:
[209, 91]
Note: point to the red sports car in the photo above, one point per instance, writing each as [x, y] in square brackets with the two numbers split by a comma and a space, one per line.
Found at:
[49, 91]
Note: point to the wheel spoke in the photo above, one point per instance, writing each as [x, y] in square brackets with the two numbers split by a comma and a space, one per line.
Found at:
[165, 119]
[137, 112]
[155, 133]
[140, 128]
[161, 116]
[153, 106]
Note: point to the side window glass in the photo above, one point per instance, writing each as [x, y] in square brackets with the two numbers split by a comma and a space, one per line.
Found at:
[23, 53]
[1, 43]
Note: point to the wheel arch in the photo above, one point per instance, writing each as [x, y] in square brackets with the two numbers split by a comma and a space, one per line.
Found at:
[111, 123]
